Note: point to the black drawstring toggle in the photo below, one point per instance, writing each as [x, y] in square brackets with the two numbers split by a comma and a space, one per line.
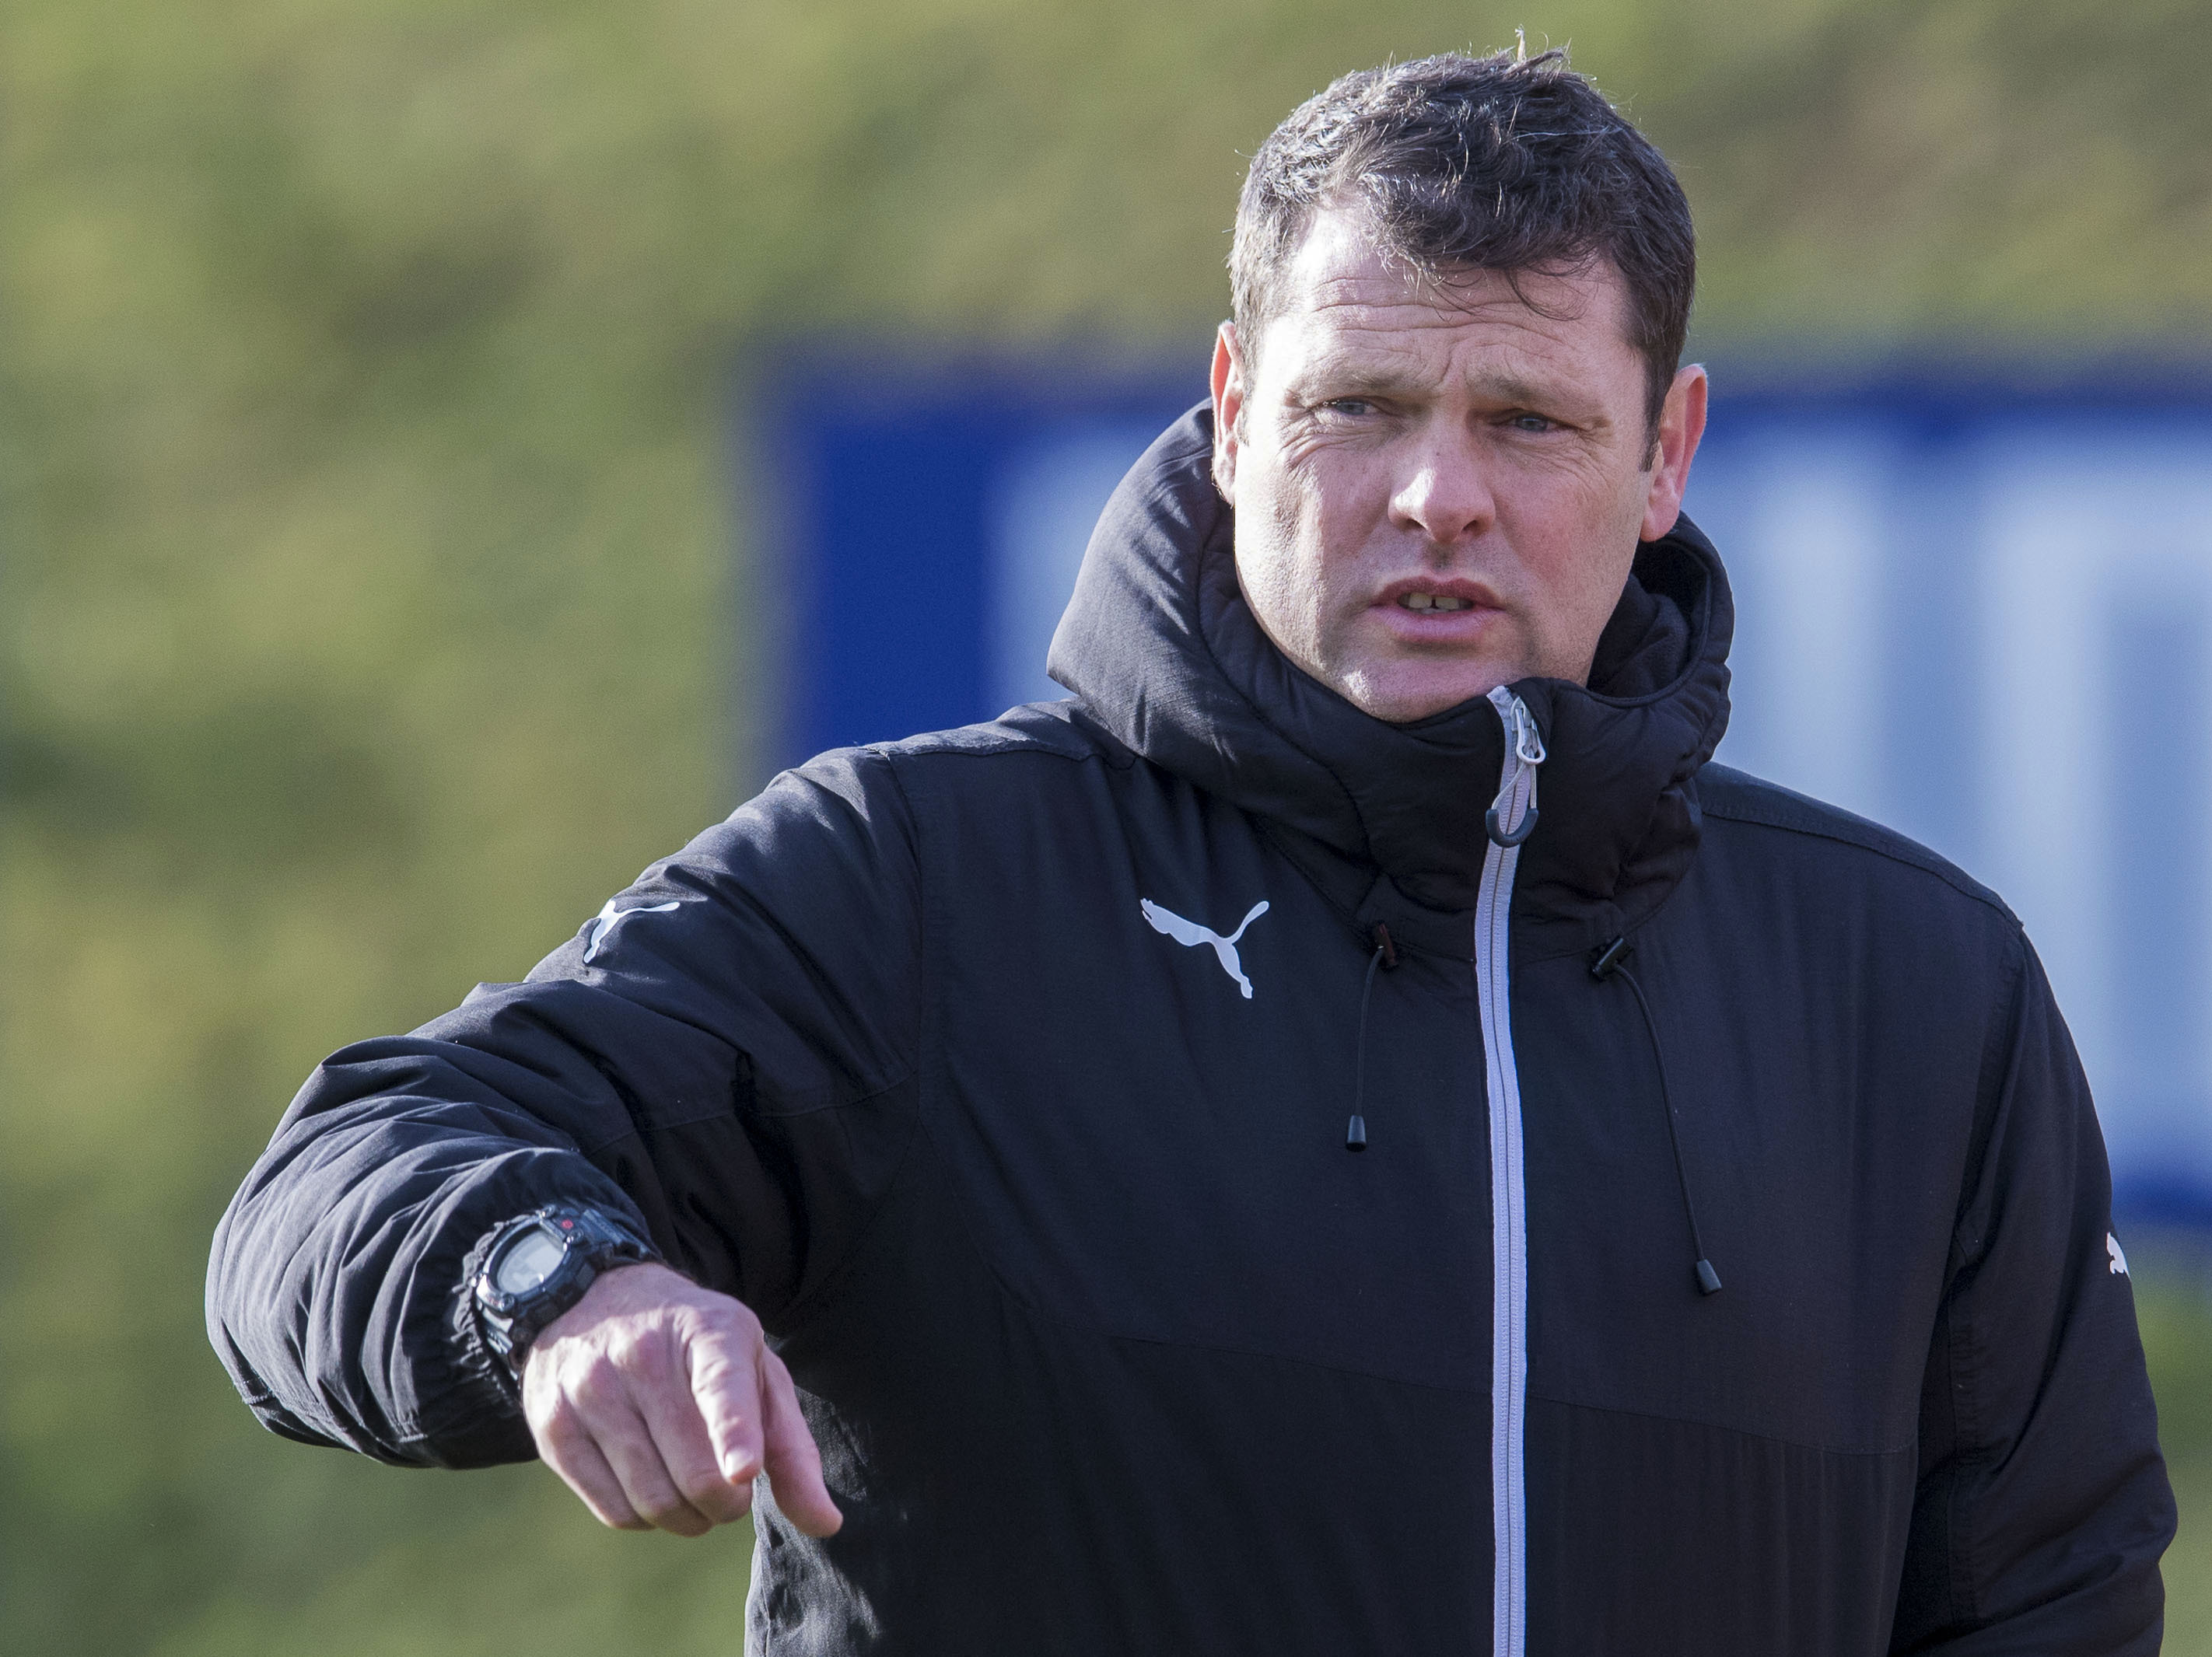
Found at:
[1355, 1134]
[1381, 939]
[1708, 1279]
[1611, 959]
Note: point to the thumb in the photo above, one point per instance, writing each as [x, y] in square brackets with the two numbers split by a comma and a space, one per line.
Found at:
[794, 1465]
[726, 1384]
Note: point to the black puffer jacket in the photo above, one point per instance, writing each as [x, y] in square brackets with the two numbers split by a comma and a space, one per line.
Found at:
[1007, 1074]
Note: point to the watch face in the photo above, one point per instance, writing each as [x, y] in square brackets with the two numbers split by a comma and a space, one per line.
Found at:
[527, 1262]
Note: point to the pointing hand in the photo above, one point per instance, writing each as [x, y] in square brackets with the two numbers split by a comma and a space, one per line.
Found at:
[658, 1402]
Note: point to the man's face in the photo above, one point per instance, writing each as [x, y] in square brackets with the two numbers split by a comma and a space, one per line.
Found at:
[1438, 492]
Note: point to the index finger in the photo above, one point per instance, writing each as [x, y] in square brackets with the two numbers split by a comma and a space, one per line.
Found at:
[794, 1464]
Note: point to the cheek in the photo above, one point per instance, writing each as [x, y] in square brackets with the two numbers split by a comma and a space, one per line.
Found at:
[1268, 542]
[1307, 518]
[1281, 532]
[1277, 513]
[1577, 578]
[1574, 525]
[1283, 511]
[1334, 501]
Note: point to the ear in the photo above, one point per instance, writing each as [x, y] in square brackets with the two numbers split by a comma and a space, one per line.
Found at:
[1228, 382]
[1682, 423]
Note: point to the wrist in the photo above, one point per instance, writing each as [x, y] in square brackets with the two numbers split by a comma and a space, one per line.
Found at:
[538, 1266]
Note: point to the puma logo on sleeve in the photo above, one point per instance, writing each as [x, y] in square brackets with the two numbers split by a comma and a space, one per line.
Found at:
[1174, 926]
[603, 923]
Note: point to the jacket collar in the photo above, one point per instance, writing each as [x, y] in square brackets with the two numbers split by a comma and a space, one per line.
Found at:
[1164, 654]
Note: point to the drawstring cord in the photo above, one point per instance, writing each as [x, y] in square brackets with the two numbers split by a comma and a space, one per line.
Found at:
[1386, 955]
[1517, 801]
[1612, 962]
[1517, 798]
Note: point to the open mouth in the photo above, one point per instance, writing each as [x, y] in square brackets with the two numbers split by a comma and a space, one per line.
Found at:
[1428, 601]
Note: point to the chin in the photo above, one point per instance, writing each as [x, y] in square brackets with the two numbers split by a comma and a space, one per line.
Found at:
[1402, 699]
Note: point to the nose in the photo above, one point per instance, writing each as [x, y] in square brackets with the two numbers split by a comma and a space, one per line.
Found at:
[1443, 492]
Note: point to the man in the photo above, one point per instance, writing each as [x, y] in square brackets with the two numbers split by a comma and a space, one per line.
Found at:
[1348, 1135]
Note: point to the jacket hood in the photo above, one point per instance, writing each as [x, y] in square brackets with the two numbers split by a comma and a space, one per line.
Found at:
[1162, 650]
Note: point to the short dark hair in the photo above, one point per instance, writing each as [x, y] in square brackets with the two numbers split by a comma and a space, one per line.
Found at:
[1506, 163]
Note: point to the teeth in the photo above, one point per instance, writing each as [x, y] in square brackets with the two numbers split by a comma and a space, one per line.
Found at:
[1434, 601]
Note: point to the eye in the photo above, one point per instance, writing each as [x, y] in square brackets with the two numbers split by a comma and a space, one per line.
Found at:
[1531, 423]
[1352, 407]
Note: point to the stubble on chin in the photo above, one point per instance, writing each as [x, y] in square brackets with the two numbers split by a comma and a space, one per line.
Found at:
[1401, 685]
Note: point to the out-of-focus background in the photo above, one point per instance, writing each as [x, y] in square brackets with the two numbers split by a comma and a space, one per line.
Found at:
[416, 421]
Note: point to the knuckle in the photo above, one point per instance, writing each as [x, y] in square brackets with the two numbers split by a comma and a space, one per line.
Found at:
[596, 1383]
[649, 1492]
[726, 1386]
[720, 1319]
[718, 1375]
[620, 1349]
[715, 1497]
[606, 1505]
[555, 1429]
[648, 1359]
[673, 1513]
[708, 1349]
[734, 1424]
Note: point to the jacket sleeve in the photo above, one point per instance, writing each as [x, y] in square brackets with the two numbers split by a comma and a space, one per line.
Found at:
[2043, 1504]
[734, 1072]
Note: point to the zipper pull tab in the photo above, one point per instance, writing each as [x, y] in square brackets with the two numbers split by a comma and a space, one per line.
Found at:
[1519, 788]
[1528, 741]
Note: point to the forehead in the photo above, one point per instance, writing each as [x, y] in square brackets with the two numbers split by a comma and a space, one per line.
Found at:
[1344, 302]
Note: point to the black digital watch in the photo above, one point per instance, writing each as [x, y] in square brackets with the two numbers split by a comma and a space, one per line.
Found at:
[539, 1265]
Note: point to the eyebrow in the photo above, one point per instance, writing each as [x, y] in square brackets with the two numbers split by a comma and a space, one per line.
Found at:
[1349, 376]
[1506, 388]
[1347, 373]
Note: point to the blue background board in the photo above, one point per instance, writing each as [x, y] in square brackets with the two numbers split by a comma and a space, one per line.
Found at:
[889, 478]
[1975, 607]
[1982, 613]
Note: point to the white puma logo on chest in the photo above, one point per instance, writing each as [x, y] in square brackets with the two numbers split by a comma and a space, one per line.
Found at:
[1174, 926]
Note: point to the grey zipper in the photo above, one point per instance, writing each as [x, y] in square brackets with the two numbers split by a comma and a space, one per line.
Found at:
[1512, 814]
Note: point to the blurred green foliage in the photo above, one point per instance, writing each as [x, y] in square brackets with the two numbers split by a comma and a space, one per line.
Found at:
[371, 572]
[2173, 1301]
